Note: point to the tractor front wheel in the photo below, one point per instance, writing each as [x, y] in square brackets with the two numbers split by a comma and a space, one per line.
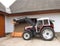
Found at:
[47, 33]
[27, 35]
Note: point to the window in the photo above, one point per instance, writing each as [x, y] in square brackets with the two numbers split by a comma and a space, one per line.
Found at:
[51, 22]
[40, 22]
[45, 21]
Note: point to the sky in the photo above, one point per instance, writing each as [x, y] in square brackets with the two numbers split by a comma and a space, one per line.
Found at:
[7, 3]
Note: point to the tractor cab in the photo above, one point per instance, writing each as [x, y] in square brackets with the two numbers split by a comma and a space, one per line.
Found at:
[42, 22]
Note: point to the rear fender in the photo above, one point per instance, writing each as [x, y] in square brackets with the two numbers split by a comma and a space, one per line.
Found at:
[46, 26]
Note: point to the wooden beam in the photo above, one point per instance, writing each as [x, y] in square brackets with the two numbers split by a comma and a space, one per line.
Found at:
[35, 12]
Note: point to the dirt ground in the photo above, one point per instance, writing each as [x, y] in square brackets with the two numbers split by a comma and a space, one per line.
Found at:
[10, 41]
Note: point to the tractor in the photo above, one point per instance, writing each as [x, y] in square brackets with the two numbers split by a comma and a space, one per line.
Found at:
[43, 28]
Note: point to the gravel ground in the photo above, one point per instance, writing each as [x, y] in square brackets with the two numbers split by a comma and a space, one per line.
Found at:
[9, 41]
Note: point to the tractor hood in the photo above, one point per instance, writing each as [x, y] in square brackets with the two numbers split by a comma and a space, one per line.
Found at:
[28, 27]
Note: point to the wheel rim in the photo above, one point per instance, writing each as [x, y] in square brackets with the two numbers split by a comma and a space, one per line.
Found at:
[26, 35]
[47, 34]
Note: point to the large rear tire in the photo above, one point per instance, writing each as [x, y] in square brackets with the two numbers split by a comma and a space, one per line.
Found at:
[47, 33]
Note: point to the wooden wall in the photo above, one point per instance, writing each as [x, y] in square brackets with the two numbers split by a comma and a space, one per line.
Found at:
[2, 25]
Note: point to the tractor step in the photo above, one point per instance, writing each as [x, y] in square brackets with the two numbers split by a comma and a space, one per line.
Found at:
[37, 34]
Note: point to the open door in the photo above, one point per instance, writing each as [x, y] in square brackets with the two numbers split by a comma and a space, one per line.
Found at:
[2, 25]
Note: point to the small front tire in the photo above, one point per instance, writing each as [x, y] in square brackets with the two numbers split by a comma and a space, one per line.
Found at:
[26, 35]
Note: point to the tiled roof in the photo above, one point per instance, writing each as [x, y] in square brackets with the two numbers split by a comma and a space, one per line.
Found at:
[2, 8]
[34, 5]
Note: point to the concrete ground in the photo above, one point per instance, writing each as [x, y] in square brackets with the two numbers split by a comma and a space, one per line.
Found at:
[9, 41]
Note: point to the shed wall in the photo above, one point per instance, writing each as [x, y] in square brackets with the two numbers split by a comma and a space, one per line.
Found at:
[54, 16]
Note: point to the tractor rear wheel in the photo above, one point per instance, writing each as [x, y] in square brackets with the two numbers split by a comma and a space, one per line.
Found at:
[47, 33]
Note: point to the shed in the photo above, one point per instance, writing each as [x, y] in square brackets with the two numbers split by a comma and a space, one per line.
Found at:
[32, 9]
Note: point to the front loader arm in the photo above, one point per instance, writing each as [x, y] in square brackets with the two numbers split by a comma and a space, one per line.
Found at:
[26, 19]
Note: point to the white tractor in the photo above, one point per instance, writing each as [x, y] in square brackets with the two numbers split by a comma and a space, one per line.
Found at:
[44, 27]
